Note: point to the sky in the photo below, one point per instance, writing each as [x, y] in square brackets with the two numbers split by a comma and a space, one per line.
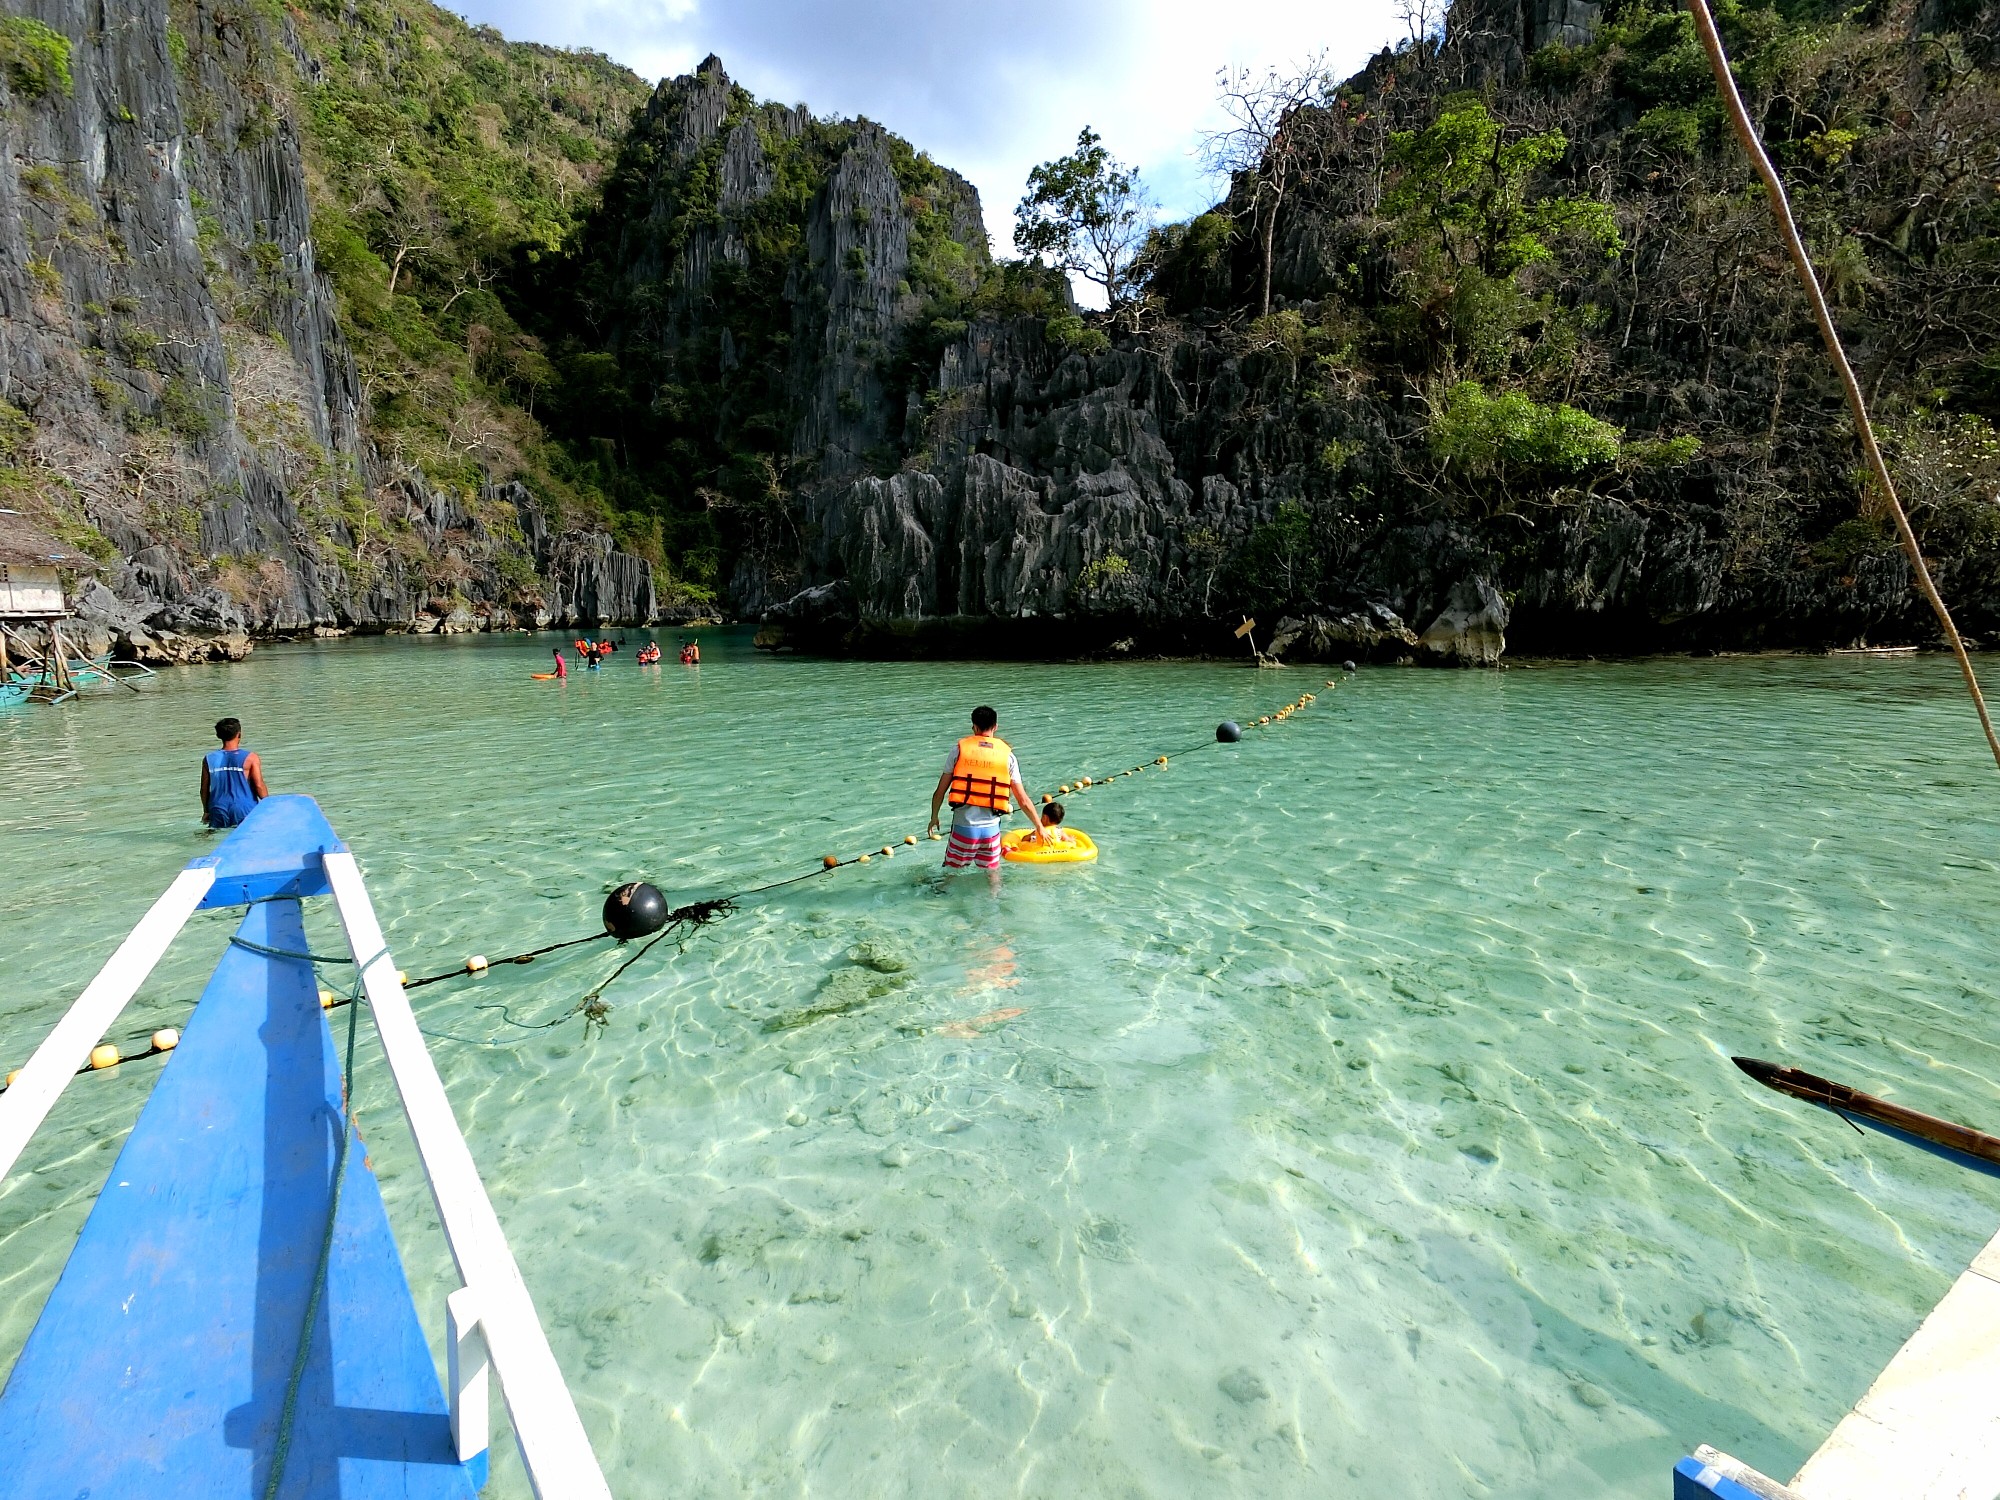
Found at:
[987, 89]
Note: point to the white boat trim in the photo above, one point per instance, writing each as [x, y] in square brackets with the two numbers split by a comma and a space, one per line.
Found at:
[555, 1449]
[66, 1049]
[1929, 1427]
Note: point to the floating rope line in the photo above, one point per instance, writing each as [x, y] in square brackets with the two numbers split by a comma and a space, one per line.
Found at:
[106, 1055]
[1161, 762]
[474, 966]
[682, 923]
[683, 920]
[596, 1013]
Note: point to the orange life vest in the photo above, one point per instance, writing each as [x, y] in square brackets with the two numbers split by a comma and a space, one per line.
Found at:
[980, 777]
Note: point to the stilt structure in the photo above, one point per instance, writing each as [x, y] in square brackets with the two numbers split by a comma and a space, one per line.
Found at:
[31, 598]
[36, 662]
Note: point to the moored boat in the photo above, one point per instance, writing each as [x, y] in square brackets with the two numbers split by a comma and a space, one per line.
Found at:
[234, 1317]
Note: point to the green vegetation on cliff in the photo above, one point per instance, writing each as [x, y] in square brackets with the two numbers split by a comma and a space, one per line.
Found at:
[34, 57]
[446, 163]
[1544, 281]
[1499, 291]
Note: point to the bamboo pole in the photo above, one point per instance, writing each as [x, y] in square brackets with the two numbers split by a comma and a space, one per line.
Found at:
[1781, 209]
[58, 661]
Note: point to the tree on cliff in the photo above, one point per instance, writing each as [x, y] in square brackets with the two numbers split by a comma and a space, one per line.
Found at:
[1273, 139]
[1464, 186]
[1087, 213]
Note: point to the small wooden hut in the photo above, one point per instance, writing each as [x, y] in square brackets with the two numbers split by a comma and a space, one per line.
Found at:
[31, 596]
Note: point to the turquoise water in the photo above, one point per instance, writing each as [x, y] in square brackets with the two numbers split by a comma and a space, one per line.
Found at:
[1367, 1125]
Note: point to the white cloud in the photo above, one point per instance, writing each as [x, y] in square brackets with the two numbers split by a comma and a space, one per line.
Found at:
[987, 90]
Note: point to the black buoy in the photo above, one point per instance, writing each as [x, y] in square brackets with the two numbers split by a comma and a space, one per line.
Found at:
[1229, 731]
[634, 910]
[1347, 666]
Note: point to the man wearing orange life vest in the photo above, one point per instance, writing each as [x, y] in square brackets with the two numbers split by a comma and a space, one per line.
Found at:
[978, 779]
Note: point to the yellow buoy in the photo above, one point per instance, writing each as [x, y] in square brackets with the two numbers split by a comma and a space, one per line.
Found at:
[12, 1076]
[889, 850]
[864, 858]
[1088, 782]
[326, 999]
[402, 976]
[166, 1039]
[103, 1055]
[1160, 760]
[937, 836]
[912, 838]
[831, 860]
[1064, 789]
[476, 964]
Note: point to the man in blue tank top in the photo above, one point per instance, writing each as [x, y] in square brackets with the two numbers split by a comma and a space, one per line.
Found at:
[232, 779]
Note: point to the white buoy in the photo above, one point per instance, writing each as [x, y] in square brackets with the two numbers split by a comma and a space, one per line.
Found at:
[103, 1055]
[166, 1039]
[476, 964]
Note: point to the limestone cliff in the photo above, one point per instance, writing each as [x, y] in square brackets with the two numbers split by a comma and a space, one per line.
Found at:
[1324, 464]
[361, 317]
[180, 396]
[755, 301]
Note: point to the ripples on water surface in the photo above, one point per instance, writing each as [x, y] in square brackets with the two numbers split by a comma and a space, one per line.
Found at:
[1368, 1125]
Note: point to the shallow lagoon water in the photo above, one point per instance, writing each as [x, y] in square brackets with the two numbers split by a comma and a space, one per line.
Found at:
[1367, 1125]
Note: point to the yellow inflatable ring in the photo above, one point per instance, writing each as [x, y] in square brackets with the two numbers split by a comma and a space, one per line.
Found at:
[1079, 849]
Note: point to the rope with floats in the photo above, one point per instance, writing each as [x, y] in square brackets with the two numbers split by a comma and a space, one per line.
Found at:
[596, 1012]
[638, 910]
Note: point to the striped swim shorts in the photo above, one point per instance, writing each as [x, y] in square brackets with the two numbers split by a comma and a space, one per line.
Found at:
[973, 845]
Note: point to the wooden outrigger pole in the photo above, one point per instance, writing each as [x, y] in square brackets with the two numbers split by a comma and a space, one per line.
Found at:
[1954, 1142]
[1788, 228]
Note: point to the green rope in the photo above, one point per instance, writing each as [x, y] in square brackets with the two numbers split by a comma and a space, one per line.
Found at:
[288, 1413]
[307, 958]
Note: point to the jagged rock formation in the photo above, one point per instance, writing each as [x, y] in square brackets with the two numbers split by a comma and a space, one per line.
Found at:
[762, 277]
[1046, 464]
[1374, 633]
[1497, 37]
[1210, 462]
[829, 215]
[178, 385]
